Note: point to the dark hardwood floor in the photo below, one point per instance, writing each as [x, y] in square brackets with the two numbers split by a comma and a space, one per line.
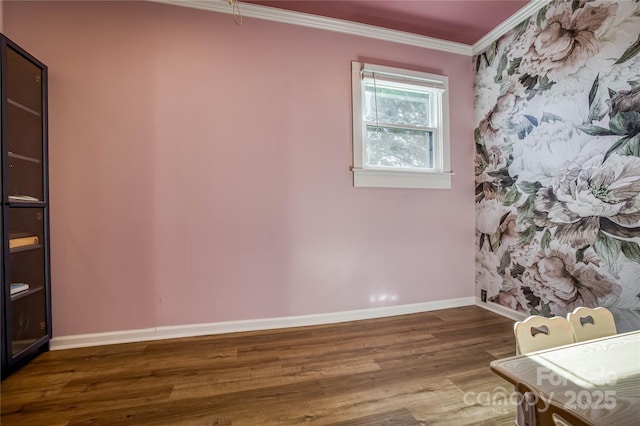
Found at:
[430, 368]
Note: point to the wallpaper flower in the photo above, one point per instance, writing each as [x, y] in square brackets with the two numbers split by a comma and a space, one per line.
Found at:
[558, 161]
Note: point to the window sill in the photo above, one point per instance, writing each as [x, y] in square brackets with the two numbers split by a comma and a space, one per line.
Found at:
[377, 178]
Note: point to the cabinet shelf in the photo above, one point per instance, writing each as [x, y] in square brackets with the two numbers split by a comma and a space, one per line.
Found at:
[25, 248]
[23, 107]
[17, 201]
[26, 293]
[22, 345]
[23, 157]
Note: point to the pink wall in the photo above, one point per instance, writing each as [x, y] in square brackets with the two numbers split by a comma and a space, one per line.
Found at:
[200, 171]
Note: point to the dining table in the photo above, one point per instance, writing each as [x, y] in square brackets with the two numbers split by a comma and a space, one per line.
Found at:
[594, 382]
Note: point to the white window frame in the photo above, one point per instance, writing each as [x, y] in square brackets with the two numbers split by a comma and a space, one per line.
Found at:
[439, 177]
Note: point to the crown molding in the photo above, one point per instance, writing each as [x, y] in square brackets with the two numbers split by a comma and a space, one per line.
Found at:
[370, 31]
[248, 10]
[532, 7]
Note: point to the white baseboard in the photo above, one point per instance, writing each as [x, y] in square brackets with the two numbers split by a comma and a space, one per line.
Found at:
[190, 330]
[501, 310]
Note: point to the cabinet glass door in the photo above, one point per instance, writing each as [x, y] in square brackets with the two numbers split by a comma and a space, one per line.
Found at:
[24, 130]
[27, 276]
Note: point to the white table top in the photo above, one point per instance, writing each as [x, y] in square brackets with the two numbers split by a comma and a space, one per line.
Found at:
[597, 380]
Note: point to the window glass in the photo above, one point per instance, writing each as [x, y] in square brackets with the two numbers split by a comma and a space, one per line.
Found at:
[399, 148]
[400, 128]
[389, 105]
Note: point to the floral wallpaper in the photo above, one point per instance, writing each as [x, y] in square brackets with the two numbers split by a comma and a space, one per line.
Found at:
[557, 104]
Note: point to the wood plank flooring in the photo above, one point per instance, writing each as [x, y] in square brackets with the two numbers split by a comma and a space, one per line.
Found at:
[429, 368]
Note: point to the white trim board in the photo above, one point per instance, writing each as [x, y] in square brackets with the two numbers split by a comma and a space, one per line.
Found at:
[338, 25]
[249, 10]
[191, 330]
[501, 310]
[529, 10]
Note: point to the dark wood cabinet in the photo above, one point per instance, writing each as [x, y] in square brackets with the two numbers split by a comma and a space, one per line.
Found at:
[26, 295]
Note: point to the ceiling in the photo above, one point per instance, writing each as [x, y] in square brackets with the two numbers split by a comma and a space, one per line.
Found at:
[462, 21]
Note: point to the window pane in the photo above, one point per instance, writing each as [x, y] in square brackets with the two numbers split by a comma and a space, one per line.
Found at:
[401, 148]
[394, 106]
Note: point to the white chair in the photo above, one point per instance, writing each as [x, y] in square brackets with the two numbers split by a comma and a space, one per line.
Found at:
[591, 323]
[537, 333]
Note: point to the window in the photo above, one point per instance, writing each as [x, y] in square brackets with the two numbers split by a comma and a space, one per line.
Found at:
[400, 128]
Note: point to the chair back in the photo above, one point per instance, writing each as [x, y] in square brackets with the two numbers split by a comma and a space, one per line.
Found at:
[591, 323]
[537, 333]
